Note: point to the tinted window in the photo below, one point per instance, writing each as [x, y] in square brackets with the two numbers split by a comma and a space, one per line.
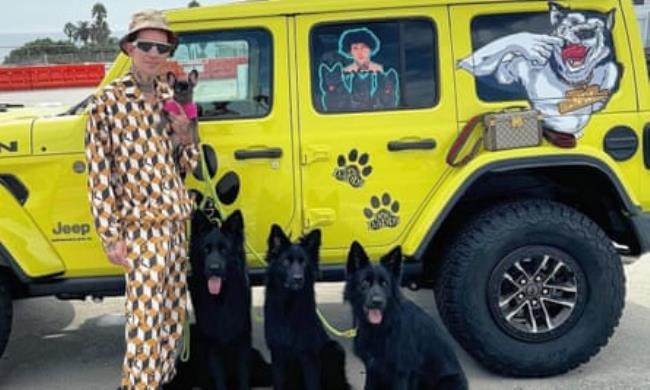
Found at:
[486, 29]
[234, 71]
[374, 66]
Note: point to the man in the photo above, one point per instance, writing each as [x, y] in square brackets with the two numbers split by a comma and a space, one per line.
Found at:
[138, 199]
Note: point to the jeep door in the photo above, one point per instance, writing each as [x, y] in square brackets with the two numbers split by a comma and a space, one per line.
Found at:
[244, 120]
[376, 118]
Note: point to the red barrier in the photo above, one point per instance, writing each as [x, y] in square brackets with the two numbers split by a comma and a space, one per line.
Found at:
[14, 79]
[90, 75]
[215, 68]
[50, 76]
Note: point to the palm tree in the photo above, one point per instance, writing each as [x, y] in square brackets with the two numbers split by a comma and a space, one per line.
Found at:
[193, 4]
[83, 31]
[99, 12]
[70, 30]
[99, 30]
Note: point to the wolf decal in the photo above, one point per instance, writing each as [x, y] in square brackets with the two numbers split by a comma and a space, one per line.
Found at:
[568, 74]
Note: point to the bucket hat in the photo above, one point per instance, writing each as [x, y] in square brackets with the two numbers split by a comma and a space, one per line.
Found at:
[148, 19]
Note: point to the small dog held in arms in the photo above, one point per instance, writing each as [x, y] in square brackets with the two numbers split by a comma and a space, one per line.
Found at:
[183, 101]
[183, 95]
[303, 356]
[401, 346]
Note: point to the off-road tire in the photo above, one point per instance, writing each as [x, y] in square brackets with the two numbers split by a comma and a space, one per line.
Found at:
[463, 285]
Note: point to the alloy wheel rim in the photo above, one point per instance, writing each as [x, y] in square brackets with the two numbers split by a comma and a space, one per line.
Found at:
[537, 293]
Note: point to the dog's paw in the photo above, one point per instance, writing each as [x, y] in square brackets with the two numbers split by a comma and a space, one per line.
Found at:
[354, 169]
[382, 212]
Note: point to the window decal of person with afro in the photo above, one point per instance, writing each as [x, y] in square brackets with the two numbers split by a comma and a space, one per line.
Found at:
[360, 45]
[362, 84]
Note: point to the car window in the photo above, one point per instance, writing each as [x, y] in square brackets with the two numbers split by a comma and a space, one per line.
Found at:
[374, 66]
[234, 71]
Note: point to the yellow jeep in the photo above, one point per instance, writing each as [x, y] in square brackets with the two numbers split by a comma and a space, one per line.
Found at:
[340, 115]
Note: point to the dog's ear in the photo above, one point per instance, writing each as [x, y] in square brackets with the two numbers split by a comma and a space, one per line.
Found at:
[311, 244]
[357, 258]
[277, 241]
[393, 261]
[611, 17]
[193, 77]
[233, 227]
[311, 241]
[171, 79]
[558, 12]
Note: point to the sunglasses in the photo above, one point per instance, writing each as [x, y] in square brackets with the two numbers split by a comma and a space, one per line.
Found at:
[146, 46]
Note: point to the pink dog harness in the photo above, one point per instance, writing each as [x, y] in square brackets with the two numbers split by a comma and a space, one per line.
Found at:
[174, 107]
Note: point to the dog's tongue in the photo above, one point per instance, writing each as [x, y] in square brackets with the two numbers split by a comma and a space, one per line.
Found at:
[574, 52]
[214, 285]
[375, 316]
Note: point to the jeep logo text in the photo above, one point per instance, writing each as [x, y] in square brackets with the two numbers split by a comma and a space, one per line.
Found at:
[82, 229]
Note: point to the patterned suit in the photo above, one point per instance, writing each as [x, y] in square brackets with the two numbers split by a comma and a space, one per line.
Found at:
[137, 195]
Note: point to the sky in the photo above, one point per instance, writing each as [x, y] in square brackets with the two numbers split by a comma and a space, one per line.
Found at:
[30, 16]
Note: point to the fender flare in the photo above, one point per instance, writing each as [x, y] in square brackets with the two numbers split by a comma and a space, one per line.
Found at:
[23, 248]
[526, 163]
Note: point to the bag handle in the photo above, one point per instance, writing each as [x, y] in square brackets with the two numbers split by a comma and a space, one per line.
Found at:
[515, 108]
[460, 142]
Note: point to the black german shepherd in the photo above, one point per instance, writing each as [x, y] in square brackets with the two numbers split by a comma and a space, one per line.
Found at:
[303, 356]
[401, 346]
[221, 296]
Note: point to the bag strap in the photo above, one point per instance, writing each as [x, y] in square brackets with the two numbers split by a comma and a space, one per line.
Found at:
[461, 141]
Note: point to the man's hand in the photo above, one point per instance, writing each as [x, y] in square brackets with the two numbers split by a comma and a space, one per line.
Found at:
[117, 253]
[182, 129]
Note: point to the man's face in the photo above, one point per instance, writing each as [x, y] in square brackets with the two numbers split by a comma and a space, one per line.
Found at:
[360, 52]
[148, 62]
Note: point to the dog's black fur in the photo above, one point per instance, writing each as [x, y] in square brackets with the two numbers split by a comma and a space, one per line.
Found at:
[183, 89]
[223, 314]
[303, 356]
[401, 346]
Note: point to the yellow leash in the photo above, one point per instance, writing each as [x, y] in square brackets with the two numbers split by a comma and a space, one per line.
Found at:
[185, 352]
[350, 333]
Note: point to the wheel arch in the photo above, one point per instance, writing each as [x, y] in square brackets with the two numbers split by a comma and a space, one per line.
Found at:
[566, 179]
[23, 247]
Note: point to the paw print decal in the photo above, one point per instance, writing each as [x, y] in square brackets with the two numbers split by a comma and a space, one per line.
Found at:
[382, 213]
[228, 186]
[354, 169]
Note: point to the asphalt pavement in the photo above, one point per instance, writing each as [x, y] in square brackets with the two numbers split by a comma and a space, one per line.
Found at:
[63, 345]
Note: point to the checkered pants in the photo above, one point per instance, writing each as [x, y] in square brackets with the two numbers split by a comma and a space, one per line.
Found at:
[156, 294]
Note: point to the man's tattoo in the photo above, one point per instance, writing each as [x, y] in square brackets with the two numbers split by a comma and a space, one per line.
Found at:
[145, 82]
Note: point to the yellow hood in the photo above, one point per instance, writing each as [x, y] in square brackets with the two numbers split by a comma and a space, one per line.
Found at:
[30, 112]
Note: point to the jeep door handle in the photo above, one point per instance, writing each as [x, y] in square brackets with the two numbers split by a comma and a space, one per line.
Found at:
[424, 144]
[245, 154]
